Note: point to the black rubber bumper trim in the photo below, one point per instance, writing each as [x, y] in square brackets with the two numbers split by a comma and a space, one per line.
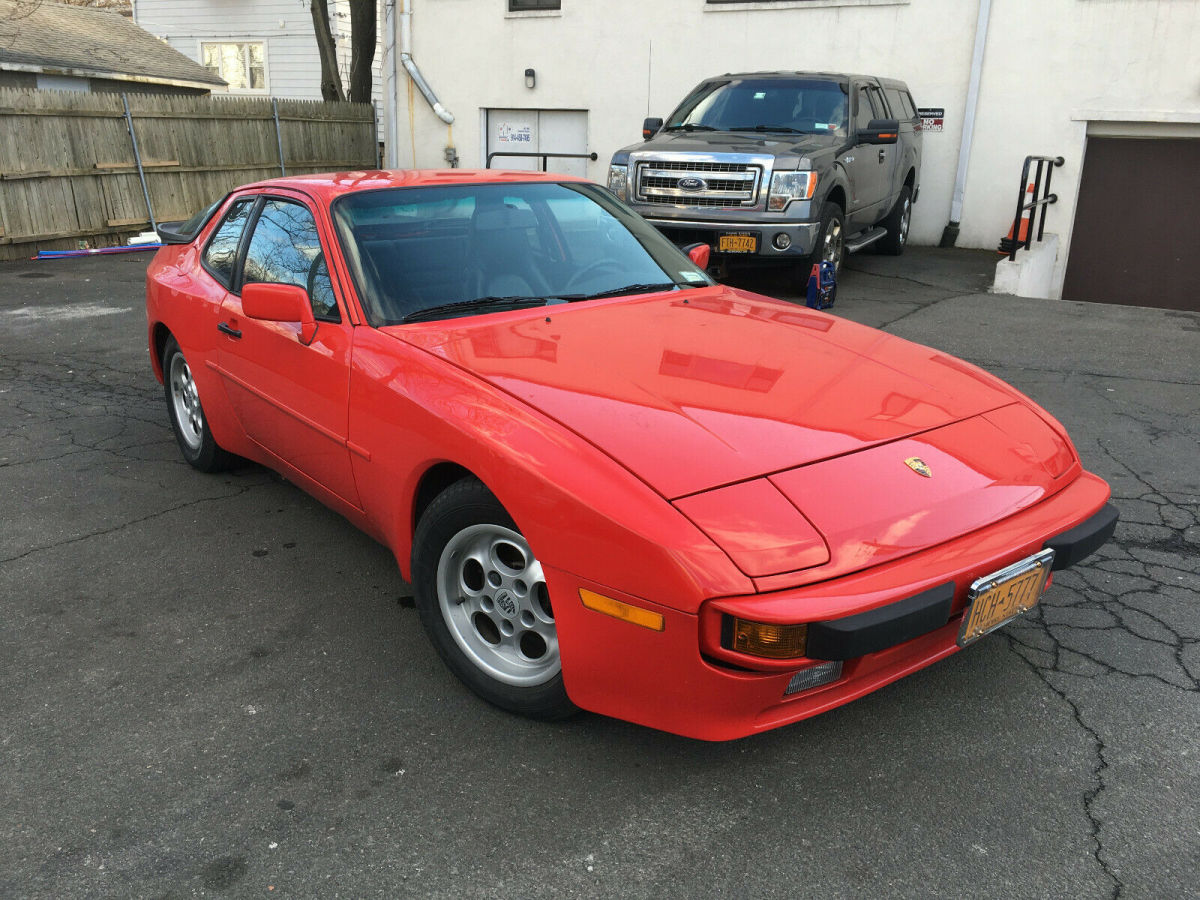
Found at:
[1084, 539]
[881, 628]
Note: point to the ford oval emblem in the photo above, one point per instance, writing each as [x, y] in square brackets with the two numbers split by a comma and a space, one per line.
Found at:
[692, 183]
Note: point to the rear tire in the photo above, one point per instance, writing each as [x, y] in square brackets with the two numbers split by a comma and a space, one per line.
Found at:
[187, 415]
[897, 224]
[482, 600]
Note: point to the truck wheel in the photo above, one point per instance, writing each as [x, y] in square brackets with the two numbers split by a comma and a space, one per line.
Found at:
[897, 223]
[831, 242]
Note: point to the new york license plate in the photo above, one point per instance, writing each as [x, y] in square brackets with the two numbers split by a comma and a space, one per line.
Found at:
[738, 242]
[996, 599]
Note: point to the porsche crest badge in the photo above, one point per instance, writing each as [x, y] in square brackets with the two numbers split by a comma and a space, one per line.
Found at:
[919, 466]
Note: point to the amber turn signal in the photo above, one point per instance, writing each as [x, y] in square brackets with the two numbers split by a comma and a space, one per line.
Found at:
[769, 641]
[635, 615]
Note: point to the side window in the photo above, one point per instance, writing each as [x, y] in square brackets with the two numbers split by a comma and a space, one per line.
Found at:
[220, 256]
[878, 104]
[285, 249]
[901, 104]
[865, 110]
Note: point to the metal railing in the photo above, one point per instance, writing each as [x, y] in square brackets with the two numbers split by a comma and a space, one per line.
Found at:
[543, 156]
[1041, 198]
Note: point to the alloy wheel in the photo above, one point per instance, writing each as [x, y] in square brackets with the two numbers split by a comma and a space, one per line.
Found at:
[493, 598]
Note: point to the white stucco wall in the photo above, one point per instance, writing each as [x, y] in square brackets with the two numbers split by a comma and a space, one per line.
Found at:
[1129, 61]
[1046, 61]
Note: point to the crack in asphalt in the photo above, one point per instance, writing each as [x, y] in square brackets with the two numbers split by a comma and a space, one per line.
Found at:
[911, 280]
[1090, 795]
[1118, 594]
[83, 407]
[123, 525]
[918, 307]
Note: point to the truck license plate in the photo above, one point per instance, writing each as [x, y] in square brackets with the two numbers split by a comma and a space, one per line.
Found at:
[738, 242]
[1000, 597]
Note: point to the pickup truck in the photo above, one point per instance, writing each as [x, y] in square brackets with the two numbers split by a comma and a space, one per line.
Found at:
[788, 166]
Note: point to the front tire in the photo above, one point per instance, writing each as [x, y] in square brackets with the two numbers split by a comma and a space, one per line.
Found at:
[830, 245]
[187, 415]
[897, 224]
[483, 602]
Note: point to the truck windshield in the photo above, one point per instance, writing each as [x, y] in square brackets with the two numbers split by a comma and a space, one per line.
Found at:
[786, 105]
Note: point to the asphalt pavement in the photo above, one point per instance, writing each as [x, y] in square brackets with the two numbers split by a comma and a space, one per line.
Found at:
[210, 686]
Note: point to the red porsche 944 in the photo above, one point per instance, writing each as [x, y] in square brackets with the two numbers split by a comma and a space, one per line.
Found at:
[614, 484]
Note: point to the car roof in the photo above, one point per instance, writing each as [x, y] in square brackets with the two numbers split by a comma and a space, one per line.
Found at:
[329, 185]
[816, 76]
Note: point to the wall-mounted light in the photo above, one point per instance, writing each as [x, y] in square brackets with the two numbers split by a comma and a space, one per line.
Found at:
[530, 78]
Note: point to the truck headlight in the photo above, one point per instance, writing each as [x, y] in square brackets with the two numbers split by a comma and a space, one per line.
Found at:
[618, 178]
[788, 186]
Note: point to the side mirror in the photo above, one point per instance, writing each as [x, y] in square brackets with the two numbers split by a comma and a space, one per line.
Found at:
[169, 233]
[280, 303]
[699, 254]
[650, 128]
[880, 131]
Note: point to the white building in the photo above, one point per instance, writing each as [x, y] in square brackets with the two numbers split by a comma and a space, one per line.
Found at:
[1057, 78]
[260, 47]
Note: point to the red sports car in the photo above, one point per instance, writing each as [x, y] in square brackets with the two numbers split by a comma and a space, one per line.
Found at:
[614, 484]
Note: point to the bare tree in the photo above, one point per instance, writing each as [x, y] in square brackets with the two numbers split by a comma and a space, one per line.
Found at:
[362, 50]
[331, 78]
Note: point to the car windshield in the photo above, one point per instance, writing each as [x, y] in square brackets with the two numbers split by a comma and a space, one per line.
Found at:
[786, 105]
[462, 249]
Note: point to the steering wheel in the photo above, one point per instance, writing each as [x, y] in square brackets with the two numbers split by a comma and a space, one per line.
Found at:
[591, 270]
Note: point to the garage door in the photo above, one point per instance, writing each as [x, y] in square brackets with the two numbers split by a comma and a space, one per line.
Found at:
[538, 131]
[1134, 240]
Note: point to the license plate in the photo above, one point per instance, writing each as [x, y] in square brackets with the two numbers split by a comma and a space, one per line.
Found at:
[738, 243]
[996, 599]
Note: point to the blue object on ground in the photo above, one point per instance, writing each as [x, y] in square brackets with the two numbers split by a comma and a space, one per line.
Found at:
[822, 285]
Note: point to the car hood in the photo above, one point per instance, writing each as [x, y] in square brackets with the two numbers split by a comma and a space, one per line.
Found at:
[706, 387]
[784, 147]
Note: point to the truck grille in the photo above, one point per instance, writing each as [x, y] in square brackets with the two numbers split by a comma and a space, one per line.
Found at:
[721, 184]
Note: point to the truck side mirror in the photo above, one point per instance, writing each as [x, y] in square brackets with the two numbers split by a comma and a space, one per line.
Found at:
[698, 253]
[650, 128]
[880, 131]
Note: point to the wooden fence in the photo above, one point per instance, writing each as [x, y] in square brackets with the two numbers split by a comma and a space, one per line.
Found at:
[69, 173]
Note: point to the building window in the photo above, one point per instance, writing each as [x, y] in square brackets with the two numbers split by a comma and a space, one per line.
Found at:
[243, 64]
[523, 5]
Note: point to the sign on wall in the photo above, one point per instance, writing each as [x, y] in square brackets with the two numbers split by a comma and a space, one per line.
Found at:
[932, 118]
[509, 133]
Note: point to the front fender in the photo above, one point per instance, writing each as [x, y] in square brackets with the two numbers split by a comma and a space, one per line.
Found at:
[581, 511]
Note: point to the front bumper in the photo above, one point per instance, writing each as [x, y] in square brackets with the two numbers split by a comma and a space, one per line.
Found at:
[679, 680]
[803, 235]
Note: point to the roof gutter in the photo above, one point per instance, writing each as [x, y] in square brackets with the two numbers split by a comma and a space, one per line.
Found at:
[75, 72]
[410, 65]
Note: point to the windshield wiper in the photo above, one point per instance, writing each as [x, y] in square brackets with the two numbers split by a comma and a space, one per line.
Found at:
[465, 307]
[627, 289]
[779, 128]
[690, 126]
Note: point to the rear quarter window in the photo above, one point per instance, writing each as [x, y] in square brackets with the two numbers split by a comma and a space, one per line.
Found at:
[901, 103]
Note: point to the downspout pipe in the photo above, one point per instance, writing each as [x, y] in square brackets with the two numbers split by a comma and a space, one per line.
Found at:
[410, 64]
[391, 133]
[950, 233]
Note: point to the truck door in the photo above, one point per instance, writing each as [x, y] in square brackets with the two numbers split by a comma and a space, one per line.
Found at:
[871, 164]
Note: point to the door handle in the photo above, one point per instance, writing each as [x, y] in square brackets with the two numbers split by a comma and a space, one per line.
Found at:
[882, 155]
[229, 330]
